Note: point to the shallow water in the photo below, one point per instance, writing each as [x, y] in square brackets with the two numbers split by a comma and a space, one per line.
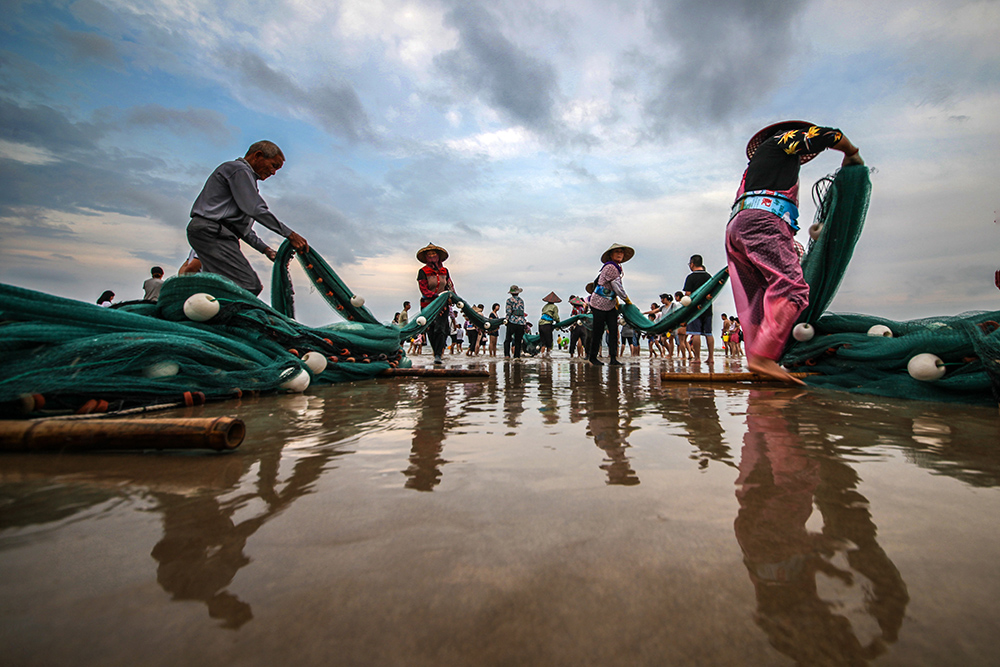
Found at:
[552, 514]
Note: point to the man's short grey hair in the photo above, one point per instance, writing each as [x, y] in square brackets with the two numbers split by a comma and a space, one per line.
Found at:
[268, 149]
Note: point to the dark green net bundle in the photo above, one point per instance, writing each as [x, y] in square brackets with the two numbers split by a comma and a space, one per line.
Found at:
[67, 353]
[842, 351]
[848, 358]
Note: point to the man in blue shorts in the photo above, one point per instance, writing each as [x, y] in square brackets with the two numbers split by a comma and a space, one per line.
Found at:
[701, 325]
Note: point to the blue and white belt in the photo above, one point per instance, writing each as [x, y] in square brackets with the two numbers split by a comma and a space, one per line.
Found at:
[770, 201]
[606, 292]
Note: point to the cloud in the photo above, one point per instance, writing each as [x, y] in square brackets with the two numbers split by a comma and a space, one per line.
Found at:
[720, 58]
[506, 143]
[10, 150]
[88, 176]
[181, 122]
[336, 105]
[44, 127]
[323, 225]
[88, 46]
[520, 86]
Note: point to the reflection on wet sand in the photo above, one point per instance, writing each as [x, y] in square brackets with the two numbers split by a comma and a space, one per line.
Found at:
[424, 472]
[695, 409]
[546, 397]
[609, 424]
[513, 393]
[202, 547]
[823, 598]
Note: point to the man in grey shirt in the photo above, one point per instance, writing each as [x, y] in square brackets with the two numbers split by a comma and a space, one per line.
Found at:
[225, 211]
[151, 287]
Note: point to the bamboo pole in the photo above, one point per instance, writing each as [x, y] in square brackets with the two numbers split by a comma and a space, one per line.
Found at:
[220, 433]
[436, 372]
[725, 377]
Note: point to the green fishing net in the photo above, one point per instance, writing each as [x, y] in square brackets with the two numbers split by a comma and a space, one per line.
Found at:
[68, 352]
[842, 352]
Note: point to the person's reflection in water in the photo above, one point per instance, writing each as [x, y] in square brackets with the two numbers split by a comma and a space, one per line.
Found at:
[791, 567]
[549, 407]
[609, 425]
[202, 546]
[200, 553]
[695, 409]
[424, 472]
[577, 396]
[705, 428]
[513, 393]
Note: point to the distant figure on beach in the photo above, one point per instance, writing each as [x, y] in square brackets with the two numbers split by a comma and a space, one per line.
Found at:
[191, 265]
[516, 322]
[702, 324]
[151, 287]
[494, 331]
[404, 315]
[607, 289]
[768, 286]
[548, 321]
[726, 326]
[433, 279]
[225, 211]
[104, 301]
[579, 342]
[680, 333]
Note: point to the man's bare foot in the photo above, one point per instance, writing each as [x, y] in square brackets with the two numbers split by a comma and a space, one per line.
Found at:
[770, 368]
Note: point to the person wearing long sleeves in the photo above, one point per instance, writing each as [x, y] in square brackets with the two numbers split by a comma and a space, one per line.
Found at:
[516, 322]
[766, 277]
[607, 289]
[225, 211]
[433, 279]
[548, 321]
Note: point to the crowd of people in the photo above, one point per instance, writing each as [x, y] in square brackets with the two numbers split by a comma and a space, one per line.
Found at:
[763, 260]
[464, 336]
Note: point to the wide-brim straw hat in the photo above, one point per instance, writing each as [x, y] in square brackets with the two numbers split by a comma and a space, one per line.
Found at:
[422, 253]
[629, 252]
[779, 128]
[551, 297]
[514, 289]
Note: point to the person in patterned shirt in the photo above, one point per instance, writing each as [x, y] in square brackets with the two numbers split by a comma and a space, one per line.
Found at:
[607, 289]
[768, 286]
[516, 322]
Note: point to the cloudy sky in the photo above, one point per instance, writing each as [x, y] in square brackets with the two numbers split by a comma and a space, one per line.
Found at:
[525, 136]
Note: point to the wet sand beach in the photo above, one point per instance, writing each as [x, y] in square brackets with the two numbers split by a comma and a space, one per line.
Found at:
[551, 514]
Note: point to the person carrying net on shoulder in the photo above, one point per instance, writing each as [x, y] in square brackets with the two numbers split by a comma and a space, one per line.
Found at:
[768, 286]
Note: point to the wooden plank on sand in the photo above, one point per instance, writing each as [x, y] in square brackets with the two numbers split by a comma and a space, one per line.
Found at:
[724, 377]
[437, 372]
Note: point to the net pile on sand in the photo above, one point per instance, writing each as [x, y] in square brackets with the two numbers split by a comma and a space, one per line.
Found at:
[65, 354]
[948, 358]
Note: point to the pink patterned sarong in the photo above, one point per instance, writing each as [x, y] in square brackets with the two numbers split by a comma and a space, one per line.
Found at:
[768, 286]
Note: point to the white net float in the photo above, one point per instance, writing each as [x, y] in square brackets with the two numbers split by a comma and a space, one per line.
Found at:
[201, 307]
